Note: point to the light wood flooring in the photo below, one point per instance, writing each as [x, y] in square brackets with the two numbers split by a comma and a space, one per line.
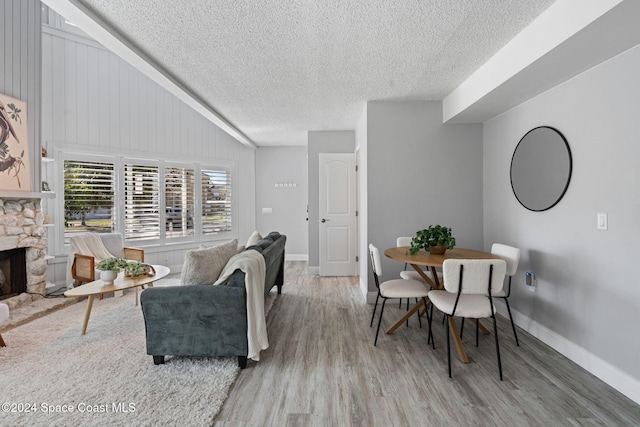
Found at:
[322, 369]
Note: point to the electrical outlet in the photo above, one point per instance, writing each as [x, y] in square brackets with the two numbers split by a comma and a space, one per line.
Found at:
[530, 280]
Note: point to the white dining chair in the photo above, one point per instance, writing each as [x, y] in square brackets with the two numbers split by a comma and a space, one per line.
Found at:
[469, 289]
[511, 256]
[394, 289]
[408, 274]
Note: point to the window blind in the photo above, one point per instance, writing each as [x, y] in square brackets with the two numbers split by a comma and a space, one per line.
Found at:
[141, 203]
[179, 201]
[88, 197]
[216, 201]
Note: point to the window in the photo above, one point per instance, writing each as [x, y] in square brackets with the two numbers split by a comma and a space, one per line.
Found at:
[148, 201]
[141, 203]
[179, 194]
[216, 201]
[88, 197]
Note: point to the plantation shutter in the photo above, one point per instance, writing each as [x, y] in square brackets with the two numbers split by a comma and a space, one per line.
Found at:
[179, 201]
[141, 204]
[216, 201]
[88, 197]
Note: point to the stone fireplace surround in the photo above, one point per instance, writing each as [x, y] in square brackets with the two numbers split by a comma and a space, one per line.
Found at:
[22, 226]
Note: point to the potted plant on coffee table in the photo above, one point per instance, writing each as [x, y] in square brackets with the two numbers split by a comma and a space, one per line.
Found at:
[435, 239]
[109, 269]
[137, 268]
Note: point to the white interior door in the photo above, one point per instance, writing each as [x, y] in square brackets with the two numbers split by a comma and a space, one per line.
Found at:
[337, 214]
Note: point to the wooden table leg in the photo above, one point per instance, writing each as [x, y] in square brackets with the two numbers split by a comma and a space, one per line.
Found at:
[87, 314]
[136, 296]
[419, 305]
[407, 315]
[457, 341]
[2, 344]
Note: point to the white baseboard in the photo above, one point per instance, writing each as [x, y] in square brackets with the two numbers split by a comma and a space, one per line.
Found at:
[613, 376]
[296, 257]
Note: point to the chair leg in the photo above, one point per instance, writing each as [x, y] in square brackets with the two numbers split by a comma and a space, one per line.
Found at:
[2, 343]
[495, 332]
[426, 312]
[462, 326]
[407, 322]
[477, 330]
[384, 300]
[418, 312]
[433, 342]
[373, 315]
[448, 347]
[513, 326]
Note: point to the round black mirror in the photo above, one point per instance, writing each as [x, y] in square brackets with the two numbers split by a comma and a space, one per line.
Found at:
[541, 168]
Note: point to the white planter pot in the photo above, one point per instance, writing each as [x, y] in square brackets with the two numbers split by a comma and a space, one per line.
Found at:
[108, 276]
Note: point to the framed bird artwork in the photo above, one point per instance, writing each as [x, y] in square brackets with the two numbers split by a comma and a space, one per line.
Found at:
[15, 166]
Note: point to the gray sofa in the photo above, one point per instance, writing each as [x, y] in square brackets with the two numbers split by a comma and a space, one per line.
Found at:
[206, 320]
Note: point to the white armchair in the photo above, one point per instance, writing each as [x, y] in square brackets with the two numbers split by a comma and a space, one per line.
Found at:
[88, 249]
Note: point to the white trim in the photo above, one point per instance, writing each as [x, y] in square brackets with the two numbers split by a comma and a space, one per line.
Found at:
[296, 257]
[96, 28]
[313, 271]
[613, 376]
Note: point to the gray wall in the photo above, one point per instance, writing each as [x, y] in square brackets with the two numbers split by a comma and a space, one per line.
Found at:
[95, 102]
[588, 299]
[421, 172]
[20, 71]
[322, 142]
[289, 204]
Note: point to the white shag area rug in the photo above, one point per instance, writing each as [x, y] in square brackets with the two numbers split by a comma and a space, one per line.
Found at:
[51, 375]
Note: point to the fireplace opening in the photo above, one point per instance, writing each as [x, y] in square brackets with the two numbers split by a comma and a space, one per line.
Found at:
[13, 273]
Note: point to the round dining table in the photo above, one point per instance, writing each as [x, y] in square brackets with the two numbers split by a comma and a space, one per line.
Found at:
[423, 258]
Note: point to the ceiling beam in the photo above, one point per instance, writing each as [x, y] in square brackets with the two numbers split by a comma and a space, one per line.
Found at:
[568, 38]
[95, 27]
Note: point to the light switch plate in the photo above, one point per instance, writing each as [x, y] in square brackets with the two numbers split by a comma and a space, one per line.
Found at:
[267, 210]
[603, 221]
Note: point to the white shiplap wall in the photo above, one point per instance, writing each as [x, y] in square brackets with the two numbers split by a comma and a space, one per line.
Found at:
[95, 102]
[20, 67]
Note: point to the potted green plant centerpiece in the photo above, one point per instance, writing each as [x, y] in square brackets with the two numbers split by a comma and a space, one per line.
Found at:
[109, 269]
[137, 268]
[435, 239]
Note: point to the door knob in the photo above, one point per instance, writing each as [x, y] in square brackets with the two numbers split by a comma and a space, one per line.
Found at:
[323, 220]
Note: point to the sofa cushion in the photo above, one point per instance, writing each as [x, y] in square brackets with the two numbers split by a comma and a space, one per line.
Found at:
[203, 266]
[274, 235]
[253, 239]
[261, 244]
[240, 248]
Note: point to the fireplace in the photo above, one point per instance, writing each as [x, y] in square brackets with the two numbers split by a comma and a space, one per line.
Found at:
[23, 249]
[13, 273]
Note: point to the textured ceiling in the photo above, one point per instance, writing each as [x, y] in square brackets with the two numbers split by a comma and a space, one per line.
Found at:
[277, 69]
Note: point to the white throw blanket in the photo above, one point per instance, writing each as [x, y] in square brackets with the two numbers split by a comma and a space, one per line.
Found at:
[252, 264]
[86, 244]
